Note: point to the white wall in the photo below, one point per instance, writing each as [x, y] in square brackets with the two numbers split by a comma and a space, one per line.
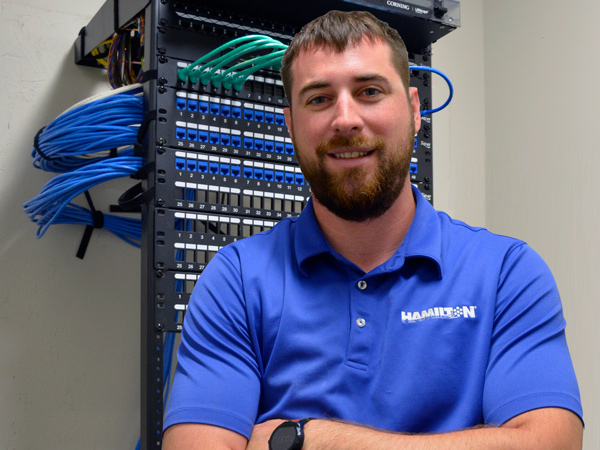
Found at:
[69, 345]
[459, 129]
[542, 141]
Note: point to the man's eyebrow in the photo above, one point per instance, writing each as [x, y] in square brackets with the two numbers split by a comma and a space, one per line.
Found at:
[372, 77]
[313, 85]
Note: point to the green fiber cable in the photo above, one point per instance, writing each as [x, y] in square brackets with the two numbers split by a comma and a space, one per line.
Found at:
[268, 60]
[219, 78]
[204, 75]
[239, 78]
[183, 73]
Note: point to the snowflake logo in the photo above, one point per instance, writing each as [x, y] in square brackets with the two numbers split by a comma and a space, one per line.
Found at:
[456, 312]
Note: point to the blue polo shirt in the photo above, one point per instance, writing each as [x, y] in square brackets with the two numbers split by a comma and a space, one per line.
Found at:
[459, 327]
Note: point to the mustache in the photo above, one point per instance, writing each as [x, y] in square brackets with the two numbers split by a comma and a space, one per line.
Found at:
[355, 142]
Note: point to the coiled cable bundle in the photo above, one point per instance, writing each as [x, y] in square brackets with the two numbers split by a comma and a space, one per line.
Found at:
[90, 143]
[98, 128]
[47, 207]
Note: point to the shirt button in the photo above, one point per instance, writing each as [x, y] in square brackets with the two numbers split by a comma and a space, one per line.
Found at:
[362, 285]
[361, 322]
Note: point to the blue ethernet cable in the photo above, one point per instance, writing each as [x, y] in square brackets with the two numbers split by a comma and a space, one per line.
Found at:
[46, 208]
[98, 128]
[450, 87]
[126, 228]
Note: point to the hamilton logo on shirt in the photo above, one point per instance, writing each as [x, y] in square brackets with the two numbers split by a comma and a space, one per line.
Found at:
[449, 312]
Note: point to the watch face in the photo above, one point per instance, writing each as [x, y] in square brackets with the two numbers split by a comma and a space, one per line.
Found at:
[284, 437]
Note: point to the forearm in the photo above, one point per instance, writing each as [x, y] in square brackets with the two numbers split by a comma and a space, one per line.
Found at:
[329, 435]
[519, 433]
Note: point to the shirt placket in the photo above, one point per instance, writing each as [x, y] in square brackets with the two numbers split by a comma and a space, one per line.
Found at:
[361, 328]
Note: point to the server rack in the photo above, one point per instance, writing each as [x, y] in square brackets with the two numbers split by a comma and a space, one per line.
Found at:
[220, 163]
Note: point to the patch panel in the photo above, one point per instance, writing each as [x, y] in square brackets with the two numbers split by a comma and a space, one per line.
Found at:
[205, 104]
[187, 280]
[216, 106]
[291, 174]
[263, 114]
[215, 124]
[265, 86]
[223, 229]
[229, 141]
[226, 200]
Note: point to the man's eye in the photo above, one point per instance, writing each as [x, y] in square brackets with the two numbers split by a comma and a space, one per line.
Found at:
[317, 100]
[371, 92]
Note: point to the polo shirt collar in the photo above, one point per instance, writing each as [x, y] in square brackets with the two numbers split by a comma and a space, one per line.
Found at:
[423, 239]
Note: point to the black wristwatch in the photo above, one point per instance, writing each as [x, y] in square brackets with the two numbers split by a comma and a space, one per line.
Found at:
[289, 435]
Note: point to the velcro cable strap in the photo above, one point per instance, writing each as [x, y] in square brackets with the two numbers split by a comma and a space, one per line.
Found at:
[135, 197]
[97, 222]
[144, 171]
[150, 116]
[36, 145]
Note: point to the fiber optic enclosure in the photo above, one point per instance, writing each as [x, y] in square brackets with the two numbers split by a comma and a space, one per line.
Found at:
[223, 164]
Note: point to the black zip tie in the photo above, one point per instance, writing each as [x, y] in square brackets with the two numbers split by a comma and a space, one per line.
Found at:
[97, 222]
[36, 146]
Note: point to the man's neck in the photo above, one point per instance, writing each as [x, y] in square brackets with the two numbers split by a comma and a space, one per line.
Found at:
[370, 243]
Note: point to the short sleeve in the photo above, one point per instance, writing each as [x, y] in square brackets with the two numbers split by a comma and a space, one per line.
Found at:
[216, 381]
[529, 365]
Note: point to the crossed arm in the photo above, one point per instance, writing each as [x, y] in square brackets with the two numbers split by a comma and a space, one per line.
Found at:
[546, 428]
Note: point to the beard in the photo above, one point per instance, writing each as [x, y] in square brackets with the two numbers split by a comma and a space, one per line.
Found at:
[356, 194]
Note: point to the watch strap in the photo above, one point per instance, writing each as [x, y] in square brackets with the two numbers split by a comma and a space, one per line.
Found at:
[302, 422]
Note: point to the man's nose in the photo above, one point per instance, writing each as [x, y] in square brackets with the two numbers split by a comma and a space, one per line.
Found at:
[347, 115]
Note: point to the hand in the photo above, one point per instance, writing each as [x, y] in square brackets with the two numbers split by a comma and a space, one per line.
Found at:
[261, 433]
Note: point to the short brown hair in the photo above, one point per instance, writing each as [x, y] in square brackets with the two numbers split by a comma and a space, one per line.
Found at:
[338, 29]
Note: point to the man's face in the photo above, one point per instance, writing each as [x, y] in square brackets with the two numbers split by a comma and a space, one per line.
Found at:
[353, 128]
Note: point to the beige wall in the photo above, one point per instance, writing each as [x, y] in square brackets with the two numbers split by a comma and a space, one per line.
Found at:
[514, 153]
[69, 328]
[542, 135]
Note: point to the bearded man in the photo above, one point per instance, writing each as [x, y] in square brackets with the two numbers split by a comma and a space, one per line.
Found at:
[371, 321]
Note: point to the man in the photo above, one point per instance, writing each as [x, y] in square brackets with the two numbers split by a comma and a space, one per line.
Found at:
[390, 324]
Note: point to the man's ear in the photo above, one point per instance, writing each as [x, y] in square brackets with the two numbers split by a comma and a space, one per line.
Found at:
[415, 104]
[287, 113]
